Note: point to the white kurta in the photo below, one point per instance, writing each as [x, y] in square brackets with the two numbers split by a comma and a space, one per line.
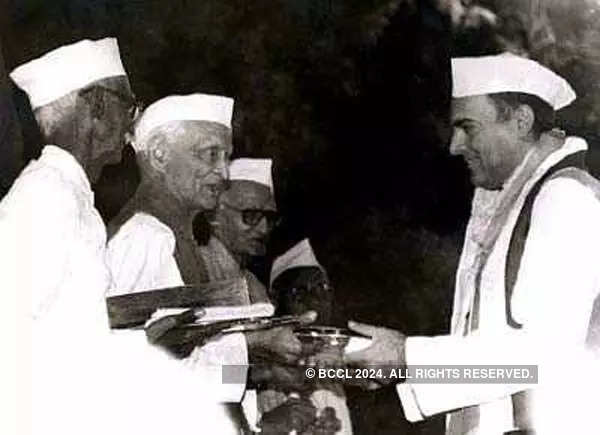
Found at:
[553, 298]
[74, 376]
[141, 257]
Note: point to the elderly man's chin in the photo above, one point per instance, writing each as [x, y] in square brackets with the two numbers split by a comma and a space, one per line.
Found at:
[206, 197]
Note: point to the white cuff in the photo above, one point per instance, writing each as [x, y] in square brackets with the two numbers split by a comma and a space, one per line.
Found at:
[409, 403]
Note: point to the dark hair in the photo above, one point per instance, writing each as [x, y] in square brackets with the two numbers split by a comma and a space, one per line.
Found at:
[507, 102]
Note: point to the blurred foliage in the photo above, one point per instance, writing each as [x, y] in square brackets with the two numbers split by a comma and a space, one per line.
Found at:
[563, 35]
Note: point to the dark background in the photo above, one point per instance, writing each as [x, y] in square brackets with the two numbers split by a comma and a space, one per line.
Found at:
[350, 98]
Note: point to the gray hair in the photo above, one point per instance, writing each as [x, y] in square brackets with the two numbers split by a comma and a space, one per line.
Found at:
[168, 133]
[53, 116]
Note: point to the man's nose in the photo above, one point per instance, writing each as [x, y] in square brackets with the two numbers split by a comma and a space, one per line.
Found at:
[457, 143]
[262, 227]
[222, 168]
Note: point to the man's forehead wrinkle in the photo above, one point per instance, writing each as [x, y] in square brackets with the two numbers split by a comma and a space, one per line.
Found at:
[201, 138]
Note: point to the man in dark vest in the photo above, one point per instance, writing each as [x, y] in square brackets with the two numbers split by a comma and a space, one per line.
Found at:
[528, 273]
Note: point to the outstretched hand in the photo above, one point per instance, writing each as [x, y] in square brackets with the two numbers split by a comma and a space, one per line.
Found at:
[277, 344]
[387, 350]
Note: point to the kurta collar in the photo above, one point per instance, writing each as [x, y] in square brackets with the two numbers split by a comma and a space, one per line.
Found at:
[223, 252]
[68, 166]
[570, 146]
[485, 201]
[167, 210]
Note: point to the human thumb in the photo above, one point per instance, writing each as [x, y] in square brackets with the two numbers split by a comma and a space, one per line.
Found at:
[362, 328]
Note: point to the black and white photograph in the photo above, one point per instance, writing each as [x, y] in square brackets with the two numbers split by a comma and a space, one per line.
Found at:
[300, 217]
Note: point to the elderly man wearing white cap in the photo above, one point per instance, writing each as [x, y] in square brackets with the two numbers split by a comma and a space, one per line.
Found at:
[528, 273]
[242, 224]
[183, 144]
[75, 376]
[53, 239]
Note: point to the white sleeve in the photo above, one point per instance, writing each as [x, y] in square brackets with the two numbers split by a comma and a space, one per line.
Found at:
[35, 233]
[154, 388]
[223, 365]
[140, 256]
[423, 400]
[37, 219]
[553, 299]
[559, 264]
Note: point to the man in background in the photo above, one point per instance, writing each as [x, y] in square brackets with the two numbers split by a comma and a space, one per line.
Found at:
[242, 224]
[299, 283]
[183, 144]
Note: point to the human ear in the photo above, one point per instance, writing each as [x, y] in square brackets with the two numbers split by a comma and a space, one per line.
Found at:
[158, 155]
[525, 118]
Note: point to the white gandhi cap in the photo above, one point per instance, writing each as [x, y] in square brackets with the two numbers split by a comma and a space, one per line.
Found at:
[193, 107]
[509, 73]
[300, 255]
[257, 170]
[68, 69]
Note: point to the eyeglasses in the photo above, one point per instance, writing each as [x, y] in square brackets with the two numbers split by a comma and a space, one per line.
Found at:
[134, 107]
[135, 111]
[252, 217]
[213, 155]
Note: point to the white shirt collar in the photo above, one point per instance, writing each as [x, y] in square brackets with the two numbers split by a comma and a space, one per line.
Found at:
[485, 201]
[67, 164]
[571, 146]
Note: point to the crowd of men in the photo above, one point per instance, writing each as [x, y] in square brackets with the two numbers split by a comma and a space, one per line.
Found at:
[525, 285]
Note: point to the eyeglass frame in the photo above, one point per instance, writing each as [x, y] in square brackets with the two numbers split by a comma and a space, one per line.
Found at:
[136, 107]
[272, 223]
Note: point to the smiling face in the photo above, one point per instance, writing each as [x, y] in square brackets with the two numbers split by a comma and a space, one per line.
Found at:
[195, 162]
[491, 147]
